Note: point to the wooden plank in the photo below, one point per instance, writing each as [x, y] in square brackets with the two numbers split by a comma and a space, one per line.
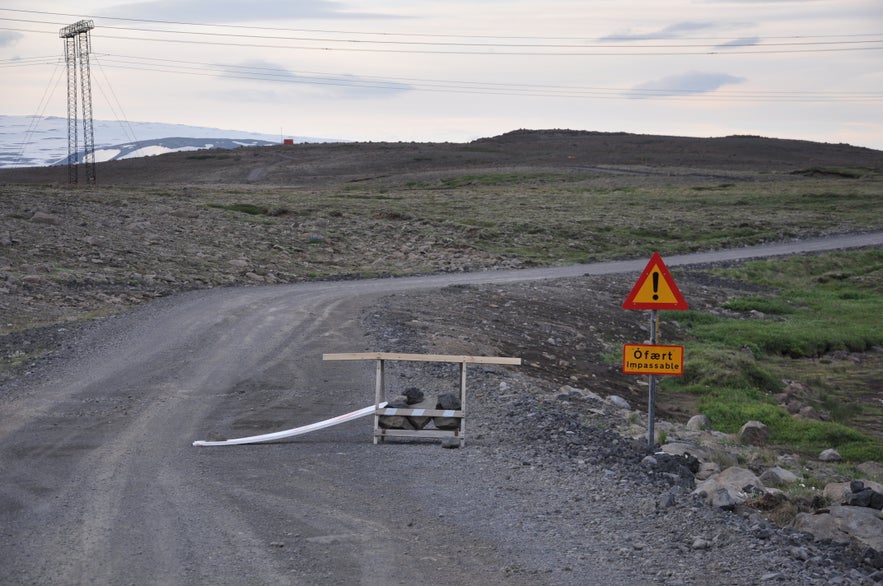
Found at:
[422, 357]
[417, 433]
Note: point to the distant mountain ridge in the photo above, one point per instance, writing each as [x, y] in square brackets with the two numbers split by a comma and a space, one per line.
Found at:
[29, 141]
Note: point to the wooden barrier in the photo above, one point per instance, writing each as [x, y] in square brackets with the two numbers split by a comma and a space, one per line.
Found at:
[380, 392]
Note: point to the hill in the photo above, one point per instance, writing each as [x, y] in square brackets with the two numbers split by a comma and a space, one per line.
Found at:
[559, 150]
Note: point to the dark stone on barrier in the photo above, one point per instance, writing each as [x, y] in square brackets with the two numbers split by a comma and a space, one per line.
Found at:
[413, 395]
[448, 401]
[395, 421]
[421, 421]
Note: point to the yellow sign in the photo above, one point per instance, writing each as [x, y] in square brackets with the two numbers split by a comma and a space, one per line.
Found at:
[655, 289]
[653, 359]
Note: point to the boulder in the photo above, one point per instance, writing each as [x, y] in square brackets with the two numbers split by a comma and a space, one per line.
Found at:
[830, 455]
[413, 395]
[754, 433]
[618, 401]
[395, 421]
[871, 469]
[699, 423]
[448, 401]
[684, 448]
[836, 492]
[858, 493]
[843, 524]
[777, 476]
[733, 486]
[707, 470]
[45, 218]
[419, 421]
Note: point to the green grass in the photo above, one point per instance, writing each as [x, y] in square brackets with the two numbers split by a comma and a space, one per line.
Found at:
[818, 304]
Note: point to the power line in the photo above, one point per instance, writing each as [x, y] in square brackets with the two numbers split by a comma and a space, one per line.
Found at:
[575, 53]
[429, 35]
[276, 75]
[794, 44]
[790, 42]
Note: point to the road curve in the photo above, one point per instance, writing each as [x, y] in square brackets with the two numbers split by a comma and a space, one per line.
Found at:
[102, 486]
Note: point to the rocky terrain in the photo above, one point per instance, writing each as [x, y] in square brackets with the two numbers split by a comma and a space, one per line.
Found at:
[560, 437]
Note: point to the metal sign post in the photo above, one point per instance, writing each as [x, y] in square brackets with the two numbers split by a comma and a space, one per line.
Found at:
[651, 401]
[654, 290]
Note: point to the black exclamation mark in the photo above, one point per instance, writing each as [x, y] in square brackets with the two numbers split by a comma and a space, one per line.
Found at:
[655, 285]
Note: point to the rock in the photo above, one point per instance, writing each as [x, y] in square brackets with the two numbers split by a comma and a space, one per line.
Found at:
[679, 470]
[618, 401]
[842, 524]
[666, 500]
[44, 218]
[418, 421]
[858, 493]
[240, 263]
[808, 412]
[707, 469]
[731, 487]
[5, 239]
[874, 469]
[450, 443]
[699, 423]
[830, 455]
[447, 401]
[413, 395]
[395, 421]
[777, 476]
[754, 433]
[836, 492]
[861, 498]
[254, 277]
[685, 448]
[701, 543]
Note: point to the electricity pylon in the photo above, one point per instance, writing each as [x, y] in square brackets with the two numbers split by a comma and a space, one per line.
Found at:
[76, 55]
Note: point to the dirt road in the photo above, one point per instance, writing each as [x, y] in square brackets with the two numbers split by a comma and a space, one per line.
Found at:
[102, 486]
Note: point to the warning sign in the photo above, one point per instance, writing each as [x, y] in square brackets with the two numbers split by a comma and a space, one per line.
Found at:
[655, 289]
[653, 359]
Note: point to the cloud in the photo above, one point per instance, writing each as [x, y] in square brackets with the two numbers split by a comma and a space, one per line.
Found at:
[743, 42]
[673, 31]
[691, 83]
[223, 12]
[7, 39]
[339, 86]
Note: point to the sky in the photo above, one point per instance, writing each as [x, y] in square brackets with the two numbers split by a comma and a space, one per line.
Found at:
[457, 70]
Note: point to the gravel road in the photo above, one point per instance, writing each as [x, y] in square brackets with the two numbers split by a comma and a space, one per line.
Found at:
[102, 486]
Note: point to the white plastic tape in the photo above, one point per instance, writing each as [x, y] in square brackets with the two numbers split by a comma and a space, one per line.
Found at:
[269, 437]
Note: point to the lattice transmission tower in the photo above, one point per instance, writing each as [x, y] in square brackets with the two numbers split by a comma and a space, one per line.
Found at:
[76, 55]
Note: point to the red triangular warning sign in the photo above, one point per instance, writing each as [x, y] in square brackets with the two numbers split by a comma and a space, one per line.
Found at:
[655, 289]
